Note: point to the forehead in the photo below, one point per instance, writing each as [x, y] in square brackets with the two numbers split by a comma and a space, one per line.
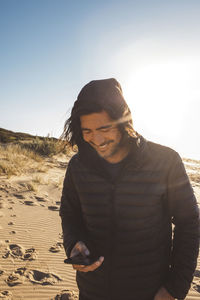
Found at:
[95, 120]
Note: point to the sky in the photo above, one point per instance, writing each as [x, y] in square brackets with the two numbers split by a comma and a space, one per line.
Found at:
[50, 49]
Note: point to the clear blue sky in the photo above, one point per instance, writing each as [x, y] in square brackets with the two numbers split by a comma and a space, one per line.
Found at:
[50, 49]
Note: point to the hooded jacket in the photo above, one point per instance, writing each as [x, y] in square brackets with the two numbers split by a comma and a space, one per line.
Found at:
[145, 223]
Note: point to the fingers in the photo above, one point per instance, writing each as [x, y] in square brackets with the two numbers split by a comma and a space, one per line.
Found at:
[91, 267]
[80, 247]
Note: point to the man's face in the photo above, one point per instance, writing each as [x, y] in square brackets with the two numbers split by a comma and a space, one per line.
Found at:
[99, 130]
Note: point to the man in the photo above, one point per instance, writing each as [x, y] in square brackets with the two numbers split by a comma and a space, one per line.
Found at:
[120, 197]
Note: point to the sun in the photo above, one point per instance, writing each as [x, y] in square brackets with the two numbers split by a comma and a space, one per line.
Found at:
[158, 95]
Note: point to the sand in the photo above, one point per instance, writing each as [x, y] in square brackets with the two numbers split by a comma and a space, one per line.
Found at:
[31, 251]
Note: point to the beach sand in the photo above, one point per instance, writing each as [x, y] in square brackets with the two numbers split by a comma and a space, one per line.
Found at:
[31, 251]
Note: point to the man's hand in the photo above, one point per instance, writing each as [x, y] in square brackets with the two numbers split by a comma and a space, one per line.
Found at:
[80, 247]
[163, 294]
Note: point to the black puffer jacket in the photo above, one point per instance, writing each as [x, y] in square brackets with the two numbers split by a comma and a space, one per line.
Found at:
[129, 222]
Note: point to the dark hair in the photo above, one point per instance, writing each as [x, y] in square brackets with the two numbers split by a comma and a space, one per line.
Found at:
[96, 96]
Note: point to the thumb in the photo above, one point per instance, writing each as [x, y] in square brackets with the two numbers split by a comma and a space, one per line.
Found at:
[82, 248]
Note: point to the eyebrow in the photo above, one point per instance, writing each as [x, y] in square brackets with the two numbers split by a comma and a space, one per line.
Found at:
[99, 128]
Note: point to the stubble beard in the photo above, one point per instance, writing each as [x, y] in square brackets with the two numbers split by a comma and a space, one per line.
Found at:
[112, 152]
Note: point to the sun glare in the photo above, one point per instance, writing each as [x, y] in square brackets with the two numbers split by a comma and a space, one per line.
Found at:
[159, 96]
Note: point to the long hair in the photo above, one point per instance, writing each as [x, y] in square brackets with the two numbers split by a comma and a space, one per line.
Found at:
[97, 96]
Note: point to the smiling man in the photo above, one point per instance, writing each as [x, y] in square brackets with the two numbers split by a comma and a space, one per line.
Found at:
[102, 133]
[121, 195]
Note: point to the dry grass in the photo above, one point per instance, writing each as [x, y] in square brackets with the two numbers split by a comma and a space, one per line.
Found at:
[195, 177]
[31, 186]
[28, 186]
[47, 146]
[58, 183]
[39, 180]
[191, 160]
[15, 159]
[41, 169]
[193, 169]
[24, 156]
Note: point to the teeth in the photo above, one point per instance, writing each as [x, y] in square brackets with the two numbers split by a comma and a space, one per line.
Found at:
[102, 147]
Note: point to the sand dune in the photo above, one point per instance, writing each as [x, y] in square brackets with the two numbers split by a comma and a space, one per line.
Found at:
[31, 251]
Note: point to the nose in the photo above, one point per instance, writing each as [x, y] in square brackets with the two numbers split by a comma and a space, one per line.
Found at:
[98, 139]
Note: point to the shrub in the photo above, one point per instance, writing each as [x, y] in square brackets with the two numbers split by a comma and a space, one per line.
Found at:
[14, 159]
[46, 146]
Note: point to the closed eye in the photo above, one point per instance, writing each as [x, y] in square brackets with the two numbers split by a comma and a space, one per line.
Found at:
[105, 129]
[85, 131]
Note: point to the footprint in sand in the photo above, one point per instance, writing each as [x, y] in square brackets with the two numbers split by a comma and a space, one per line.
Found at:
[34, 276]
[17, 251]
[30, 202]
[1, 272]
[197, 287]
[19, 196]
[40, 199]
[39, 277]
[16, 277]
[14, 250]
[6, 295]
[13, 216]
[56, 248]
[10, 223]
[61, 236]
[196, 282]
[66, 295]
[54, 207]
[11, 201]
[13, 232]
[30, 254]
[197, 273]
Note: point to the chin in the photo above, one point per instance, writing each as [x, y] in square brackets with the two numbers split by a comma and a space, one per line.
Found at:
[103, 155]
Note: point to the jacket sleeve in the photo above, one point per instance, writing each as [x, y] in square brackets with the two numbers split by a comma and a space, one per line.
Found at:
[70, 213]
[185, 217]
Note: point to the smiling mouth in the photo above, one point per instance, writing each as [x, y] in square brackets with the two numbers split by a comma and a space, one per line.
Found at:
[103, 147]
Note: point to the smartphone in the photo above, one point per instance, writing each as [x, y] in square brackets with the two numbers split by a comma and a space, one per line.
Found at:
[80, 260]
